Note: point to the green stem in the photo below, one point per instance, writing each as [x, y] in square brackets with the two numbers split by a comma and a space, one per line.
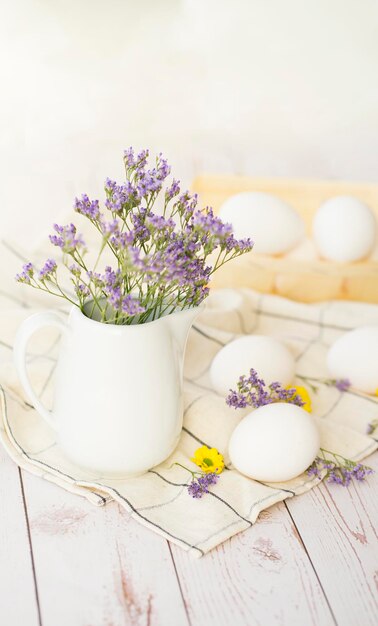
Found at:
[187, 469]
[313, 387]
[53, 293]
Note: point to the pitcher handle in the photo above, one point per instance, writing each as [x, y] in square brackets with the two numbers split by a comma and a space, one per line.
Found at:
[27, 328]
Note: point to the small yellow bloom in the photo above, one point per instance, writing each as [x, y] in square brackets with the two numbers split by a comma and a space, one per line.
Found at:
[209, 460]
[303, 393]
[376, 391]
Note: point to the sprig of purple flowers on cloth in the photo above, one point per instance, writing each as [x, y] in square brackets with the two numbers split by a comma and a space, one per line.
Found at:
[211, 464]
[342, 384]
[200, 484]
[252, 391]
[335, 468]
[162, 261]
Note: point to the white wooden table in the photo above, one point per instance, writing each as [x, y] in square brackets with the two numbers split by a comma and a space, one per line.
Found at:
[64, 562]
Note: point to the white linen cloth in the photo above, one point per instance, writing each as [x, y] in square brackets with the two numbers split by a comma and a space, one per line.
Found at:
[159, 499]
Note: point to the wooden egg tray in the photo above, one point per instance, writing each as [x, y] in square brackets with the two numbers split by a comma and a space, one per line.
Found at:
[306, 281]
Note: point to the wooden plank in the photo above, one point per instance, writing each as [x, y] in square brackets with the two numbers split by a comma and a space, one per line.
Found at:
[18, 598]
[261, 576]
[337, 527]
[96, 566]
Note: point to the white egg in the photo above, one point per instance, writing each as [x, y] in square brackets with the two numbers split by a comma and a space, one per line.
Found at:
[274, 226]
[269, 357]
[355, 356]
[274, 443]
[344, 229]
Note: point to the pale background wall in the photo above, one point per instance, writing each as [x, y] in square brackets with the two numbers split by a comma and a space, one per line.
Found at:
[265, 87]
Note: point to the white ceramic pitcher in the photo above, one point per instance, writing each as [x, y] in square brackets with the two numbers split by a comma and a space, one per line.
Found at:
[118, 405]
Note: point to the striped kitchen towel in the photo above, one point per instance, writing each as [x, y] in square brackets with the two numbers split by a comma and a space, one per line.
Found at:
[159, 499]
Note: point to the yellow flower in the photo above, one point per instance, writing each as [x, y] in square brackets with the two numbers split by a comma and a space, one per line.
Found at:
[376, 391]
[303, 393]
[209, 460]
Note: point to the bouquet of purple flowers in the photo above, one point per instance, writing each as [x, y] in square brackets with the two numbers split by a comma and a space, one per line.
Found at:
[162, 261]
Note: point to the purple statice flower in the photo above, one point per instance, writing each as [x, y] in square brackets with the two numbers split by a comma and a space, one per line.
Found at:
[114, 294]
[280, 394]
[131, 161]
[338, 469]
[113, 233]
[122, 241]
[47, 270]
[140, 231]
[75, 270]
[163, 168]
[339, 477]
[200, 485]
[128, 157]
[371, 427]
[187, 204]
[82, 290]
[131, 306]
[110, 185]
[96, 279]
[111, 278]
[141, 159]
[149, 183]
[87, 207]
[238, 246]
[67, 238]
[236, 400]
[120, 198]
[154, 177]
[160, 223]
[314, 470]
[127, 304]
[26, 275]
[173, 190]
[110, 228]
[206, 220]
[252, 391]
[213, 233]
[186, 270]
[342, 384]
[361, 471]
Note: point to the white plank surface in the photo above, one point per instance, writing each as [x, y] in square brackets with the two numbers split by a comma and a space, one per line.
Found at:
[260, 577]
[95, 566]
[308, 562]
[338, 527]
[18, 601]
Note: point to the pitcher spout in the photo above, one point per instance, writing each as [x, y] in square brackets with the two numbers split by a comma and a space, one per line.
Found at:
[181, 322]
